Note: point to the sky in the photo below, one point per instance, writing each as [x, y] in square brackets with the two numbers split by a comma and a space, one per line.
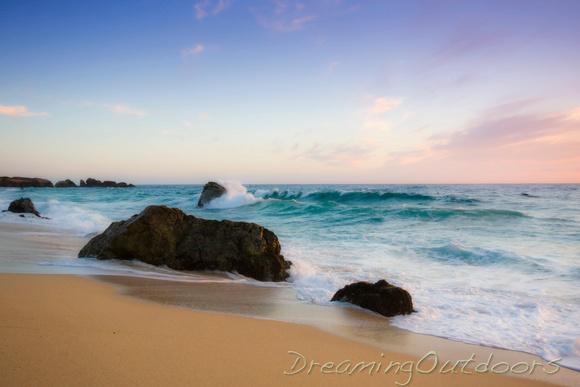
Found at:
[276, 91]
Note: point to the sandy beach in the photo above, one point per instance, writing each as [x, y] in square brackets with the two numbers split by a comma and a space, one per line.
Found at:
[66, 330]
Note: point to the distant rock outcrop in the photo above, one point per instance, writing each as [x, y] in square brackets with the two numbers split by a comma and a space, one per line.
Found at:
[381, 297]
[167, 236]
[23, 182]
[23, 206]
[211, 191]
[107, 183]
[65, 184]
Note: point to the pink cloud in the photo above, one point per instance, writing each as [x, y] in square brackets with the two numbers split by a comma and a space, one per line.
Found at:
[196, 50]
[19, 111]
[495, 133]
[517, 148]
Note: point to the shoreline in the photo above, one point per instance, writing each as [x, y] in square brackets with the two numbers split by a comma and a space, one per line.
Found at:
[61, 329]
[225, 303]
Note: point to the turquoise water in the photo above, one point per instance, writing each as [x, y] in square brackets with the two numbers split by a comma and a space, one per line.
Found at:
[497, 265]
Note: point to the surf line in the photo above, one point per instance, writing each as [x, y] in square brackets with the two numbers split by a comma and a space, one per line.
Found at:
[422, 366]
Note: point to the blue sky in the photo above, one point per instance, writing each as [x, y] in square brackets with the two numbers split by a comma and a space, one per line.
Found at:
[323, 91]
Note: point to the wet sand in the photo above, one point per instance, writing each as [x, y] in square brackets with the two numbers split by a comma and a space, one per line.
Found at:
[68, 330]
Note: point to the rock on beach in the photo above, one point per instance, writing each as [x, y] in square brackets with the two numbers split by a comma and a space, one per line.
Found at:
[380, 297]
[160, 235]
[23, 206]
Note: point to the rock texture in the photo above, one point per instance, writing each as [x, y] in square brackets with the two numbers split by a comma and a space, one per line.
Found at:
[381, 297]
[23, 206]
[23, 182]
[65, 184]
[167, 236]
[107, 183]
[210, 191]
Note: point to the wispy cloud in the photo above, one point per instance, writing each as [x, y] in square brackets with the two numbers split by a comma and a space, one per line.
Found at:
[347, 154]
[384, 104]
[19, 111]
[523, 138]
[378, 125]
[196, 50]
[496, 133]
[574, 114]
[210, 8]
[285, 16]
[287, 25]
[332, 66]
[170, 133]
[126, 110]
[374, 119]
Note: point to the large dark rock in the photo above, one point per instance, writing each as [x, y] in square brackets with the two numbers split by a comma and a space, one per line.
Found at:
[210, 191]
[23, 182]
[167, 236]
[65, 184]
[381, 297]
[23, 206]
[107, 183]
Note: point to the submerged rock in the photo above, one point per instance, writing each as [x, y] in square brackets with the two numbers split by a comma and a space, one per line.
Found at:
[23, 206]
[65, 184]
[23, 182]
[167, 236]
[381, 297]
[211, 191]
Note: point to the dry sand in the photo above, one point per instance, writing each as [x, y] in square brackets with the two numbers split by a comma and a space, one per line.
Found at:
[67, 330]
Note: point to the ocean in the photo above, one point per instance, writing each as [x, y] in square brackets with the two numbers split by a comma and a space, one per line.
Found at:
[495, 265]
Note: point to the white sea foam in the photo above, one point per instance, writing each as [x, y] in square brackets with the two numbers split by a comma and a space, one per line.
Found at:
[140, 269]
[77, 218]
[236, 196]
[506, 312]
[72, 217]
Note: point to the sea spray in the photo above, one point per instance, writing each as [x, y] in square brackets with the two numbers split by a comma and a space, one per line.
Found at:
[236, 196]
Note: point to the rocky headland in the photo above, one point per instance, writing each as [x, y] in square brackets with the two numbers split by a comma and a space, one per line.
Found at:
[24, 182]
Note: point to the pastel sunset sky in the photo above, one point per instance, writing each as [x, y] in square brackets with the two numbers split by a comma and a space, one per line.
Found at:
[274, 91]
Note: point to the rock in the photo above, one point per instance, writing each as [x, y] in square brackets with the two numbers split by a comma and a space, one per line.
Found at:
[167, 236]
[94, 182]
[124, 185]
[107, 183]
[381, 297]
[210, 191]
[528, 195]
[23, 182]
[23, 206]
[65, 184]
